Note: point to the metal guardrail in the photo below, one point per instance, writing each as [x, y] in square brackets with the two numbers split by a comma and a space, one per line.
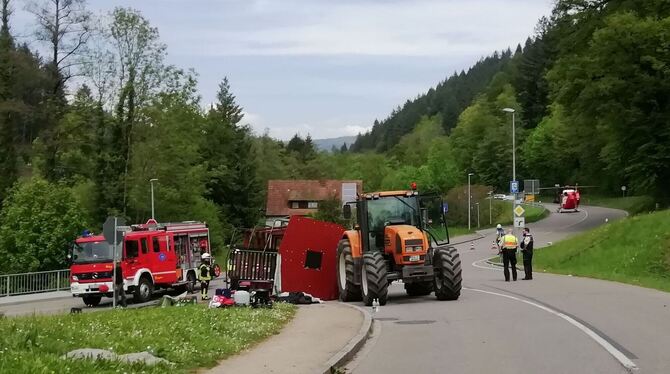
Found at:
[27, 283]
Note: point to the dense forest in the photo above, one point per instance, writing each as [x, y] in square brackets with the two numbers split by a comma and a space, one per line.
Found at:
[591, 95]
[88, 118]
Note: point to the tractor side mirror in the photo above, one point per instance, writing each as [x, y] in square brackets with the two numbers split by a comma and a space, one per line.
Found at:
[346, 211]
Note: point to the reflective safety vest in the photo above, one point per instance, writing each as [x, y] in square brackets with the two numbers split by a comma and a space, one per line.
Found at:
[204, 273]
[510, 242]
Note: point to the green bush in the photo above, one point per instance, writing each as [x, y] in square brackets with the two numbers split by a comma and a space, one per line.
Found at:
[38, 222]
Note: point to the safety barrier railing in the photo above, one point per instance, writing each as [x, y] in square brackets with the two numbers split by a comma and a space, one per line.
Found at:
[27, 283]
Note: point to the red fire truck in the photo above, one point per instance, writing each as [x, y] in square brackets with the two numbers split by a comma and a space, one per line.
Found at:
[152, 256]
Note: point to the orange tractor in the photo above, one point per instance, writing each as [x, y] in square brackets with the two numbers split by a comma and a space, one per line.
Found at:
[398, 235]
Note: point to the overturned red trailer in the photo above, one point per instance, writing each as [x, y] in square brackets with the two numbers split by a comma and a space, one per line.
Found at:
[296, 255]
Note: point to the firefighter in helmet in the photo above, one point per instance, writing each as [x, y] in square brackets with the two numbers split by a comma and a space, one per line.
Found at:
[205, 275]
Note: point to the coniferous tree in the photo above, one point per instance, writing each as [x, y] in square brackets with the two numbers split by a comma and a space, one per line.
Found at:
[8, 158]
[227, 153]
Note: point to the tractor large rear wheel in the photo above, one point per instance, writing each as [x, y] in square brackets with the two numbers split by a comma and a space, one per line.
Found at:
[374, 283]
[419, 288]
[349, 290]
[448, 274]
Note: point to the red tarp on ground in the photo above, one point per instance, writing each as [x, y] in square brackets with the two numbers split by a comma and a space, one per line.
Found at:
[308, 257]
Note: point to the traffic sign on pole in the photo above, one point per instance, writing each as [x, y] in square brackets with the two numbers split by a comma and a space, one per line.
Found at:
[109, 228]
[519, 211]
[519, 222]
[514, 187]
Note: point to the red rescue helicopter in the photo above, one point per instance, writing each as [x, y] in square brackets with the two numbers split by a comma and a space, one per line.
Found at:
[567, 197]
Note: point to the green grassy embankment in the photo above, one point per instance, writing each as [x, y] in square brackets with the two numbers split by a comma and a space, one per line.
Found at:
[632, 204]
[533, 213]
[190, 337]
[635, 250]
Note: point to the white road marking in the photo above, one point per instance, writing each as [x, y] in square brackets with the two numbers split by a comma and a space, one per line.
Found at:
[618, 355]
[586, 216]
[490, 267]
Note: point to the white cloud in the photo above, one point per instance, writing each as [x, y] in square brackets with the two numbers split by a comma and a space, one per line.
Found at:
[407, 28]
[355, 130]
[326, 67]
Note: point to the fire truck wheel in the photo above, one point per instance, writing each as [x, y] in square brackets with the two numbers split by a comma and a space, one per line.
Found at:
[217, 270]
[143, 290]
[349, 290]
[92, 300]
[419, 288]
[448, 274]
[190, 279]
[374, 284]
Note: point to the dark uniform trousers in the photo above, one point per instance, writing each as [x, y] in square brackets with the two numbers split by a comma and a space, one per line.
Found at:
[509, 258]
[528, 263]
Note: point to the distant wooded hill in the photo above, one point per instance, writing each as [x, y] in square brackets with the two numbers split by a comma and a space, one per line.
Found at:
[328, 144]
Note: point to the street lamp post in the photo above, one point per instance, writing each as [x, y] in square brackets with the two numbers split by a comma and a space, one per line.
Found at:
[469, 197]
[490, 206]
[153, 211]
[510, 110]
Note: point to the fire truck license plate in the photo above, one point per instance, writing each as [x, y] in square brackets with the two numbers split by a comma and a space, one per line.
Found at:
[414, 258]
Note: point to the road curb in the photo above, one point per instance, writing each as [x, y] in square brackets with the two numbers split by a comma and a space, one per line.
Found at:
[18, 302]
[355, 344]
[480, 236]
[500, 265]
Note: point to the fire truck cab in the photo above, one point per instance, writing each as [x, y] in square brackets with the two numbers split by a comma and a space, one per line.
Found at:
[152, 256]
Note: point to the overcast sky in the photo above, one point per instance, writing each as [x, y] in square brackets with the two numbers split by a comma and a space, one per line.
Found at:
[327, 67]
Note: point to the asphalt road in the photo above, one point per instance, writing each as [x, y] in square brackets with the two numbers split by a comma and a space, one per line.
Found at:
[551, 324]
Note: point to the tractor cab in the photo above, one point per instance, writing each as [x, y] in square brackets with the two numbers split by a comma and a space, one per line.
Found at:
[398, 235]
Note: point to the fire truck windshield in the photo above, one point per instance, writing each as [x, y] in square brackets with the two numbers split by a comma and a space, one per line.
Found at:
[90, 252]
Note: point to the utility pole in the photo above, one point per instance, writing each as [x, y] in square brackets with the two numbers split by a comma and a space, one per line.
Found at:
[469, 200]
[490, 206]
[510, 110]
[153, 211]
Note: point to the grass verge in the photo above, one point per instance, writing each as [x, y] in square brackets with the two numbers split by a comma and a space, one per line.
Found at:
[190, 337]
[632, 204]
[635, 250]
[533, 213]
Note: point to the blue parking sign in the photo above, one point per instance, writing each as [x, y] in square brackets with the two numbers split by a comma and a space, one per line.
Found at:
[514, 186]
[445, 208]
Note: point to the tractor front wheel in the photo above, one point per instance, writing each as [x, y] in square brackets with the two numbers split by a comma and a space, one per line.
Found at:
[448, 274]
[374, 283]
[349, 290]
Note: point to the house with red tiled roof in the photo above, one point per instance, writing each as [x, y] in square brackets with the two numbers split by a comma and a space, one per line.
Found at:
[287, 198]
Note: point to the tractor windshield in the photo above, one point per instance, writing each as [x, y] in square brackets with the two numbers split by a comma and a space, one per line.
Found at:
[90, 252]
[390, 210]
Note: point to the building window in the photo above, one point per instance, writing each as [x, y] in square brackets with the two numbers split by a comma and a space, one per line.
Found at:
[295, 205]
[312, 205]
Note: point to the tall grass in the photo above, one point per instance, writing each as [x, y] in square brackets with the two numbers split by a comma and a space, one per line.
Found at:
[635, 250]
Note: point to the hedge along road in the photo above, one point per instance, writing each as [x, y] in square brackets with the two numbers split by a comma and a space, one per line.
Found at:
[552, 324]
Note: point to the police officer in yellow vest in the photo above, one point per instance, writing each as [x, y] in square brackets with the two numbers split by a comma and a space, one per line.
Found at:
[509, 244]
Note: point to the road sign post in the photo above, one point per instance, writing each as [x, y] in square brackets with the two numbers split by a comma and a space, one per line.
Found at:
[110, 230]
[514, 189]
